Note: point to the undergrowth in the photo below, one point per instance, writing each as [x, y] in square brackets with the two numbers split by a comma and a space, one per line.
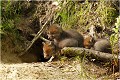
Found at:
[10, 13]
[77, 15]
[115, 36]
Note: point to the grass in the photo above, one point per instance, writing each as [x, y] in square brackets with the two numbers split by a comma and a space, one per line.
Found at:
[79, 15]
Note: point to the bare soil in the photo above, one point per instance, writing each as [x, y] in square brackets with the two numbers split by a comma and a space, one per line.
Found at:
[57, 70]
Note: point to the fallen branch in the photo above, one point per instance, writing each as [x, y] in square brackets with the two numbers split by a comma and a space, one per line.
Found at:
[73, 51]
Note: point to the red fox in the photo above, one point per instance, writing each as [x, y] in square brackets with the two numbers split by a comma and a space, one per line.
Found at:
[57, 34]
[50, 49]
[88, 41]
[61, 39]
[103, 45]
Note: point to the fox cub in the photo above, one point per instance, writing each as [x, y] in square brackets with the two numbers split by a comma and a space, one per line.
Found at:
[61, 38]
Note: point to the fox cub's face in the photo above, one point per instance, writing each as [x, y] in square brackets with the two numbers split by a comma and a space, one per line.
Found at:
[88, 41]
[54, 31]
[48, 49]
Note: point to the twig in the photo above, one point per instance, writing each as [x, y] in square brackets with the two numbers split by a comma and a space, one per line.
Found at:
[35, 38]
[46, 40]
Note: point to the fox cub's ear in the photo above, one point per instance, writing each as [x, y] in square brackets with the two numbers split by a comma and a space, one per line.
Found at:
[55, 26]
[59, 27]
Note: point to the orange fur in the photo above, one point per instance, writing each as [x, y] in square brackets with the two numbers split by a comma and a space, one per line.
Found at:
[88, 41]
[48, 50]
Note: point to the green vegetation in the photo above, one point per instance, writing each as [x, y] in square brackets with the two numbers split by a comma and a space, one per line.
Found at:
[79, 15]
[114, 37]
[10, 13]
[10, 10]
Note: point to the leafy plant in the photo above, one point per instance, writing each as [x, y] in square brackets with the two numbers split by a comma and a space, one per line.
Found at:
[114, 36]
[10, 13]
[106, 12]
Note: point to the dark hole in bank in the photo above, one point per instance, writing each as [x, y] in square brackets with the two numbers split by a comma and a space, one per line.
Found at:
[35, 53]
